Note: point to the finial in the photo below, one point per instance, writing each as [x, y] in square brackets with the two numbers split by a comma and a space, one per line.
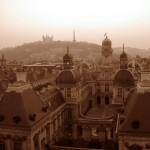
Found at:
[123, 47]
[105, 34]
[67, 49]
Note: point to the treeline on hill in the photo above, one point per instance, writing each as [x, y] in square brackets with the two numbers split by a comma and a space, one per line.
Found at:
[26, 51]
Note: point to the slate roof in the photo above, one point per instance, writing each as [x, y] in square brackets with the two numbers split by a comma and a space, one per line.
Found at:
[52, 98]
[124, 78]
[137, 119]
[68, 77]
[20, 104]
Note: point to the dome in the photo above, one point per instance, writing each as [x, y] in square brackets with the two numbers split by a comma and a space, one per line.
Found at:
[68, 77]
[124, 78]
[67, 56]
[123, 55]
[106, 41]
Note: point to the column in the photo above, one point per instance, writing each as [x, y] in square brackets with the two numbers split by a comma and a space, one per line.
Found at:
[86, 133]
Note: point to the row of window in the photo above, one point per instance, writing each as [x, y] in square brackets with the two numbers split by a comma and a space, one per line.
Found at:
[107, 87]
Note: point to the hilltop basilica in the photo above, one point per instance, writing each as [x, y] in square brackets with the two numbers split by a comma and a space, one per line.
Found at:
[81, 106]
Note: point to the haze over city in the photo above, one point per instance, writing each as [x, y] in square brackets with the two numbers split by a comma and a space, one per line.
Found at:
[125, 21]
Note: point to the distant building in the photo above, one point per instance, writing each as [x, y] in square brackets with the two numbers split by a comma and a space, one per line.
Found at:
[47, 39]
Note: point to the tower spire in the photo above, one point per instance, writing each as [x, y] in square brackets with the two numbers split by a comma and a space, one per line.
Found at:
[123, 47]
[74, 37]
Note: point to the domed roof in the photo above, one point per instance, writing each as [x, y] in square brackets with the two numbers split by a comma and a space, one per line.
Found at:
[106, 41]
[68, 77]
[123, 54]
[124, 78]
[67, 55]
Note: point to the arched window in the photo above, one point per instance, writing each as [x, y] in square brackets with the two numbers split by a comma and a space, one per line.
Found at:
[36, 141]
[79, 131]
[106, 87]
[43, 143]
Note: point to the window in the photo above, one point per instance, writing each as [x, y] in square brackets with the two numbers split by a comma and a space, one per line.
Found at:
[69, 114]
[79, 131]
[119, 92]
[2, 145]
[17, 145]
[68, 92]
[106, 87]
[36, 141]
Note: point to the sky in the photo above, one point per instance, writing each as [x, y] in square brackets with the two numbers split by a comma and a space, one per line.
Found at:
[125, 21]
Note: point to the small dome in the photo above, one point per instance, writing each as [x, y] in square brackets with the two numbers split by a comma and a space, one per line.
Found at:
[106, 41]
[67, 56]
[123, 55]
[68, 77]
[124, 78]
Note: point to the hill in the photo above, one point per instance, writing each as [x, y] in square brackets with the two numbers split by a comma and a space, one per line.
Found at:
[53, 51]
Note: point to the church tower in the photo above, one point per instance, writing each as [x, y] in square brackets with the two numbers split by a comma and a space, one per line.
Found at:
[123, 60]
[74, 36]
[106, 51]
[68, 60]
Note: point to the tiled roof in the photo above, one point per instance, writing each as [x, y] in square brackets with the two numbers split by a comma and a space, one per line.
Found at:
[136, 114]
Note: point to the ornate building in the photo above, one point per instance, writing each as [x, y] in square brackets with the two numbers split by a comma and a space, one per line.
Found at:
[77, 108]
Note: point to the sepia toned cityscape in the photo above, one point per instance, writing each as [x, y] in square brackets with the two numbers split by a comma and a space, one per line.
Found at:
[74, 75]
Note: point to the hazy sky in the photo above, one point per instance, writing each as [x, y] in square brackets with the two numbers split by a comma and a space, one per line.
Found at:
[125, 21]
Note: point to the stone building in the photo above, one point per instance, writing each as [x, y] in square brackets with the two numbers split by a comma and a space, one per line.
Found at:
[133, 121]
[78, 107]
